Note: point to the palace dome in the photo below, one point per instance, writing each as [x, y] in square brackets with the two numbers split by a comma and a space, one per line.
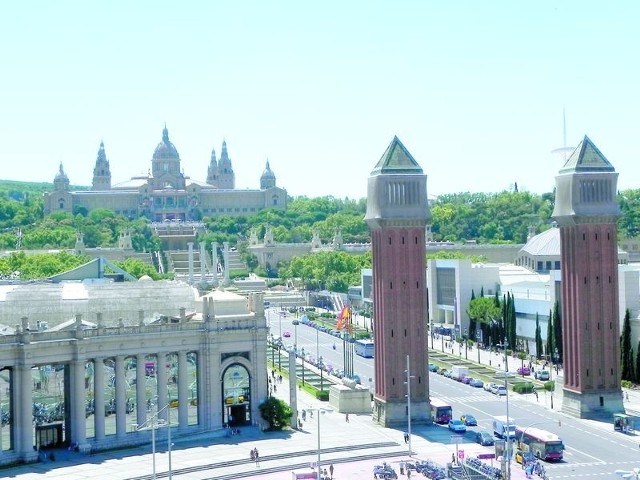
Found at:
[165, 148]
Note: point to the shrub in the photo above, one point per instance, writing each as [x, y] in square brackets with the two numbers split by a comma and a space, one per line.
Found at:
[322, 395]
[626, 384]
[550, 386]
[524, 387]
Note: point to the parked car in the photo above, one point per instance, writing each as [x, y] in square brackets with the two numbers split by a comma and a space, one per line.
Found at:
[469, 420]
[433, 367]
[524, 370]
[542, 375]
[484, 438]
[494, 388]
[501, 390]
[457, 426]
[476, 383]
[488, 386]
[466, 380]
[447, 373]
[286, 334]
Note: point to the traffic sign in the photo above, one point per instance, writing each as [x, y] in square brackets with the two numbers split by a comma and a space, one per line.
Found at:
[461, 454]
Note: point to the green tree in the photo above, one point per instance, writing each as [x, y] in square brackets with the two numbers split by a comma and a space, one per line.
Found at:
[626, 357]
[486, 312]
[538, 338]
[549, 342]
[276, 413]
[557, 332]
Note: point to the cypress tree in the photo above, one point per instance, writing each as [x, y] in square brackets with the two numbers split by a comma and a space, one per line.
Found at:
[549, 346]
[512, 317]
[557, 332]
[638, 362]
[626, 356]
[538, 338]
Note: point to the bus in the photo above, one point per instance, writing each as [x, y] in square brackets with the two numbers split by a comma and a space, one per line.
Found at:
[441, 412]
[364, 348]
[544, 445]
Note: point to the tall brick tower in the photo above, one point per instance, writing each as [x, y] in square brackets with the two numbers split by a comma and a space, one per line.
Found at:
[397, 214]
[586, 210]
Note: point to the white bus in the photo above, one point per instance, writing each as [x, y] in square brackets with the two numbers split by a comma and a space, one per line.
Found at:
[365, 348]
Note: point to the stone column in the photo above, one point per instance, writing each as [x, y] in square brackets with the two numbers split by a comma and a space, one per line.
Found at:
[78, 407]
[227, 279]
[121, 398]
[214, 262]
[141, 404]
[22, 401]
[161, 376]
[183, 390]
[190, 245]
[98, 397]
[203, 262]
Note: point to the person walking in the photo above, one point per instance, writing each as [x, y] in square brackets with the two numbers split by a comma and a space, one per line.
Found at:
[256, 456]
[331, 471]
[346, 417]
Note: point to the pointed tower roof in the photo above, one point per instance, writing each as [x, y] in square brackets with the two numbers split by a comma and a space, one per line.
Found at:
[587, 158]
[396, 160]
[61, 174]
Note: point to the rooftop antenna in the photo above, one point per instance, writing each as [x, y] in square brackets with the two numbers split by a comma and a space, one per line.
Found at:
[564, 150]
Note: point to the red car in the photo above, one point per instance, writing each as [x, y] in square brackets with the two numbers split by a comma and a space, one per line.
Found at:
[524, 371]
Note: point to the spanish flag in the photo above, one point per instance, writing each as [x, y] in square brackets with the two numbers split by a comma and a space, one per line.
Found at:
[343, 318]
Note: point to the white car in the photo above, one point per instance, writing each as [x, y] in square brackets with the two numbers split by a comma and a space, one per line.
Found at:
[488, 386]
[541, 375]
[501, 390]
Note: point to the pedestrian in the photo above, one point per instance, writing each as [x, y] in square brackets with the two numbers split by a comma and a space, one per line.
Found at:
[453, 458]
[408, 473]
[626, 396]
[331, 471]
[252, 454]
[406, 437]
[304, 415]
[257, 457]
[346, 417]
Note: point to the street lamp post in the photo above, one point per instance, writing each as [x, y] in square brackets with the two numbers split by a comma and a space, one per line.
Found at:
[296, 322]
[321, 367]
[320, 411]
[272, 352]
[506, 371]
[152, 424]
[302, 353]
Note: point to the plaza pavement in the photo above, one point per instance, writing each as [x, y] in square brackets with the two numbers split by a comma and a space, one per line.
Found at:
[352, 447]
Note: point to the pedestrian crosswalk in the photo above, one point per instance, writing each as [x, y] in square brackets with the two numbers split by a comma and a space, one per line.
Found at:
[480, 397]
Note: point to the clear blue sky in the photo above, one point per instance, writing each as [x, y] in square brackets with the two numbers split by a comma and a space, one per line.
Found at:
[474, 89]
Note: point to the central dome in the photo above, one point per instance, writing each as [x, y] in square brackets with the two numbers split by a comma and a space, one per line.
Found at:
[165, 148]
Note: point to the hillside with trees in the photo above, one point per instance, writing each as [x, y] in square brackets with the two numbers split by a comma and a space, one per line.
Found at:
[503, 217]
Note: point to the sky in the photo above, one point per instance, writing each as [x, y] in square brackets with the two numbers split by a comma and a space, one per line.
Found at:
[479, 92]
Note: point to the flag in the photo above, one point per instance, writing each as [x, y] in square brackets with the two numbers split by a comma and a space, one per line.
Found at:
[343, 318]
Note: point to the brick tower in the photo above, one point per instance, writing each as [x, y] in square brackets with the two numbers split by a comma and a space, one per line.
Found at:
[397, 214]
[586, 210]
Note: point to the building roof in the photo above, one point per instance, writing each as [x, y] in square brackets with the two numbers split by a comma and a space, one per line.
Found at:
[396, 160]
[587, 158]
[545, 244]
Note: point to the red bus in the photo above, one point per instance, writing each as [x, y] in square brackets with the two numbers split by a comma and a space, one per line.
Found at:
[544, 445]
[441, 412]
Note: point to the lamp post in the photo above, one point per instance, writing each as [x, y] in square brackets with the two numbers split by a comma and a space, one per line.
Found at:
[296, 322]
[272, 352]
[321, 367]
[478, 335]
[506, 371]
[320, 411]
[408, 383]
[153, 423]
[302, 354]
[279, 344]
[466, 344]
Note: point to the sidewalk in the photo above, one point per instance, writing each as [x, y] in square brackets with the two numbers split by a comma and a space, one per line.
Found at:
[353, 448]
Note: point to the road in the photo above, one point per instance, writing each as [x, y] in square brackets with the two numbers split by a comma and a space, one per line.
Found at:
[593, 449]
